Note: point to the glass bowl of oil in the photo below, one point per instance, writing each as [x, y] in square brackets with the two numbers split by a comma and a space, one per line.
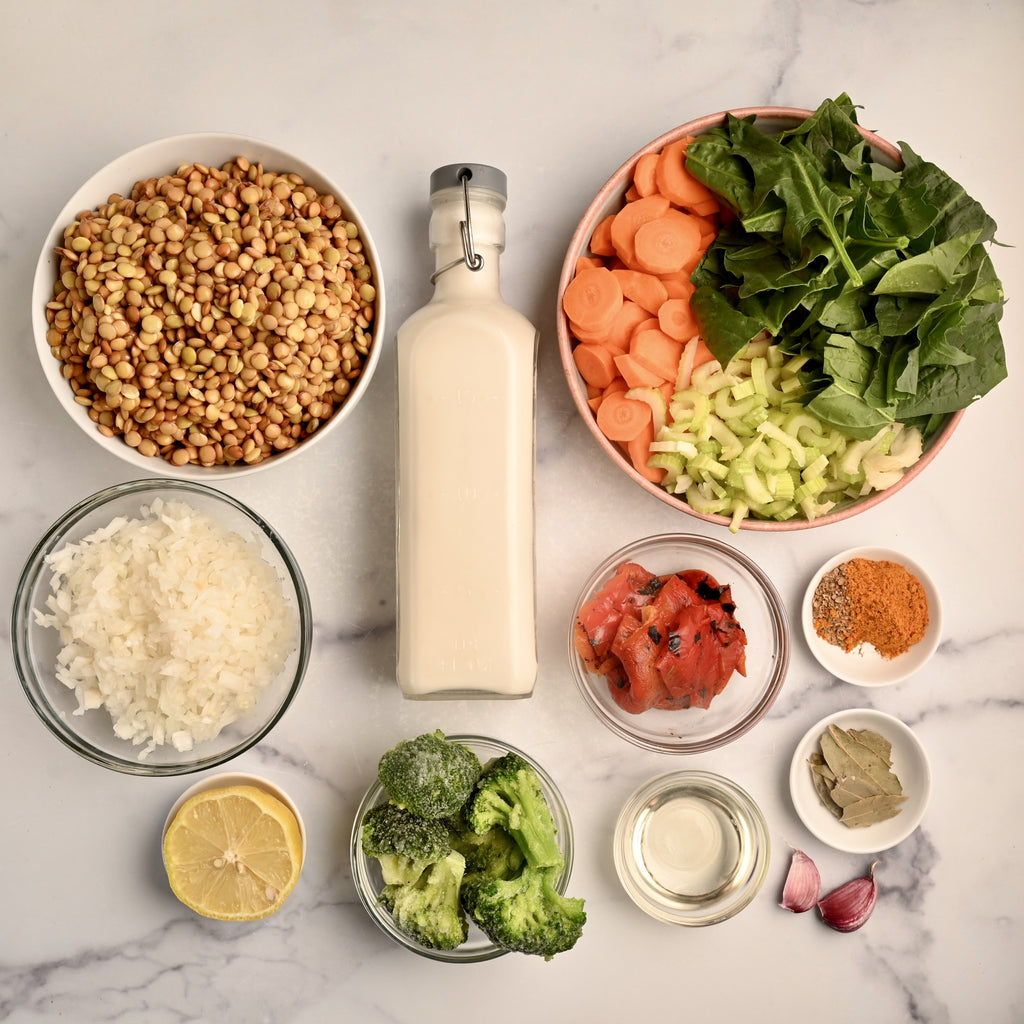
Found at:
[691, 848]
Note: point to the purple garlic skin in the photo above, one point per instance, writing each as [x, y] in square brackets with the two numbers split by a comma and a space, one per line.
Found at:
[803, 884]
[847, 908]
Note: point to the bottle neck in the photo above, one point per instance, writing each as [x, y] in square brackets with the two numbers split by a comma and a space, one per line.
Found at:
[487, 234]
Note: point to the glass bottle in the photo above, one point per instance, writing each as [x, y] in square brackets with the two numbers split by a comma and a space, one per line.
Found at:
[466, 457]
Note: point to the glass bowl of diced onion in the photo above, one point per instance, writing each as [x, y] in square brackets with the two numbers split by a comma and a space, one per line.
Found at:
[160, 627]
[876, 469]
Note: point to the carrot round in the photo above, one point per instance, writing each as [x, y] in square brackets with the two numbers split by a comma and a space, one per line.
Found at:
[595, 363]
[629, 219]
[667, 243]
[635, 374]
[675, 181]
[592, 298]
[676, 319]
[644, 180]
[657, 352]
[639, 451]
[644, 289]
[601, 239]
[626, 320]
[621, 418]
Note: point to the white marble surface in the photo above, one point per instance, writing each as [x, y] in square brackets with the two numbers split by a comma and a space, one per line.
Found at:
[558, 94]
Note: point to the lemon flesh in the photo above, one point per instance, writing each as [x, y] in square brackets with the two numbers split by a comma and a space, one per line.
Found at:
[233, 854]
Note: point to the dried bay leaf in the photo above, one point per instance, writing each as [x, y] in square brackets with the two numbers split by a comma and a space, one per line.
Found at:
[865, 760]
[852, 775]
[871, 810]
[873, 741]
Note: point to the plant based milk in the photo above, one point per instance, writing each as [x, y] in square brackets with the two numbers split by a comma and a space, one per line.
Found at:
[466, 449]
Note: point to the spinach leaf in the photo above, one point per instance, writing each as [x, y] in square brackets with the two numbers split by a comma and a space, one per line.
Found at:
[878, 276]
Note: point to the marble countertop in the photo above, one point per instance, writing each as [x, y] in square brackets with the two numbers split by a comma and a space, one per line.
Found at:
[558, 95]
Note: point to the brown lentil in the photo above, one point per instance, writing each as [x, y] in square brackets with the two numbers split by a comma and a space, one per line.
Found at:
[209, 305]
[863, 601]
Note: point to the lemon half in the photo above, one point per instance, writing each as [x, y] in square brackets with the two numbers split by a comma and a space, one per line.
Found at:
[233, 854]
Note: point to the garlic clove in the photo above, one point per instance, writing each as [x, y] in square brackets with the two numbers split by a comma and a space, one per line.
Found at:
[847, 908]
[803, 884]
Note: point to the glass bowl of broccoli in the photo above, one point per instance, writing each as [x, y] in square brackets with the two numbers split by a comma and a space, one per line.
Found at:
[476, 873]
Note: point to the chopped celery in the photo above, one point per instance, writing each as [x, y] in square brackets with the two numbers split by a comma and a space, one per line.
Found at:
[739, 442]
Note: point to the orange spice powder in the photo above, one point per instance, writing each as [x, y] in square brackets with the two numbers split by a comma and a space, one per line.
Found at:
[863, 601]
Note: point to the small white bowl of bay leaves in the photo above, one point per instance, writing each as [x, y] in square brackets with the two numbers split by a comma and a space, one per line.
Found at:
[865, 781]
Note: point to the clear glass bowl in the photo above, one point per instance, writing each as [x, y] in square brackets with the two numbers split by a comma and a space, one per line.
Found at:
[610, 199]
[685, 881]
[368, 881]
[154, 159]
[745, 699]
[35, 647]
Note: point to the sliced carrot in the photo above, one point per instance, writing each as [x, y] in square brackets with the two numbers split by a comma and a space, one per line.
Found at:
[676, 319]
[639, 451]
[644, 289]
[678, 287]
[595, 403]
[626, 320]
[705, 207]
[657, 352]
[708, 228]
[588, 337]
[675, 181]
[635, 375]
[629, 219]
[601, 239]
[616, 385]
[632, 194]
[586, 262]
[621, 418]
[667, 243]
[592, 298]
[643, 174]
[650, 324]
[595, 363]
[593, 391]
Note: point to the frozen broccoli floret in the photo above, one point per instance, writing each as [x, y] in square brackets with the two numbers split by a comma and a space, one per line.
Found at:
[525, 914]
[509, 795]
[429, 910]
[430, 775]
[403, 843]
[494, 854]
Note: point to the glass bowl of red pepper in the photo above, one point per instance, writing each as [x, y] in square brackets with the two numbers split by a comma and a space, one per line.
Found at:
[679, 643]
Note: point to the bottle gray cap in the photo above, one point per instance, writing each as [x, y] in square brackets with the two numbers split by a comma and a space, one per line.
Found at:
[480, 176]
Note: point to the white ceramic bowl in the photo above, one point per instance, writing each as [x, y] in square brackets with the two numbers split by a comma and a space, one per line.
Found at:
[35, 646]
[610, 199]
[864, 666]
[155, 159]
[745, 699]
[366, 870]
[681, 880]
[910, 764]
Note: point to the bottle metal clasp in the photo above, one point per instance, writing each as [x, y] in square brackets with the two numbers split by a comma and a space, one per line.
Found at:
[470, 256]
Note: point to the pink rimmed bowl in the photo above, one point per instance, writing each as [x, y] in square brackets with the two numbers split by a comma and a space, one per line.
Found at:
[611, 198]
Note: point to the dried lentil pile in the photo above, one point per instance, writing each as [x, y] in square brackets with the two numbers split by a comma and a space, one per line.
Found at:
[215, 315]
[863, 601]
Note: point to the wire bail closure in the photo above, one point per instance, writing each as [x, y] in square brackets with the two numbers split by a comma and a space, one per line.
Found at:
[470, 257]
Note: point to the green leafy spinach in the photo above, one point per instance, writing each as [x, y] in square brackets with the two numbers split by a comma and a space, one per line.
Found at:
[879, 276]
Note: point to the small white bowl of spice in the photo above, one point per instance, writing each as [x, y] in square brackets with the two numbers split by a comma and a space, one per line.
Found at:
[872, 616]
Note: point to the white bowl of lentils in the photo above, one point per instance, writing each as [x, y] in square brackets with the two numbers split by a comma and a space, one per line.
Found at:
[208, 305]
